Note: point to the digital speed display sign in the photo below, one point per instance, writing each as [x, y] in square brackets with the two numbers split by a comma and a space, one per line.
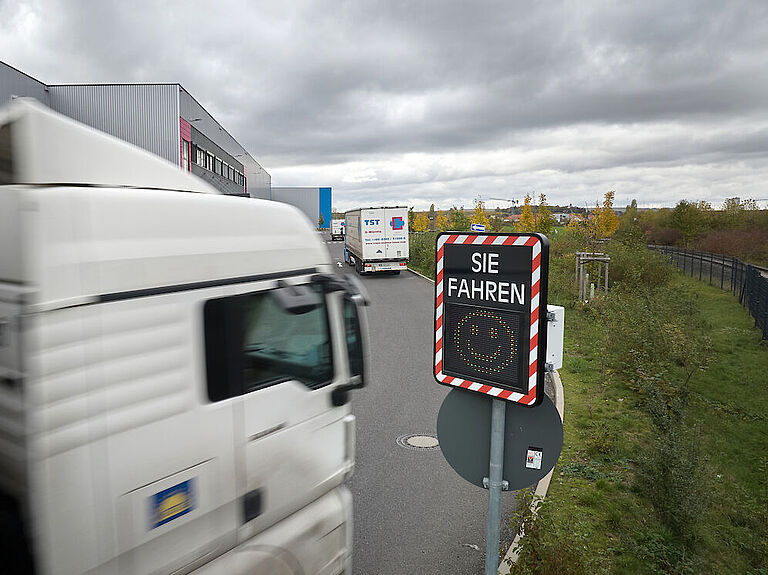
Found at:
[490, 314]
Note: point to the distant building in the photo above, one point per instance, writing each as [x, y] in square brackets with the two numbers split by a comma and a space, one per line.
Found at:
[314, 202]
[168, 121]
[162, 118]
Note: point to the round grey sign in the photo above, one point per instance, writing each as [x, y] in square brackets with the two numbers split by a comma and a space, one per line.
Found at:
[533, 438]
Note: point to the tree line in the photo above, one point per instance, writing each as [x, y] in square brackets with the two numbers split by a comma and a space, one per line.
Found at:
[739, 228]
[602, 221]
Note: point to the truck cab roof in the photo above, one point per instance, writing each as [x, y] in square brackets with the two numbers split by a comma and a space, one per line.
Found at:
[88, 216]
[39, 146]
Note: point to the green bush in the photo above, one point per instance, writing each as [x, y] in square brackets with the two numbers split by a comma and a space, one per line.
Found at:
[671, 475]
[651, 333]
[422, 253]
[635, 265]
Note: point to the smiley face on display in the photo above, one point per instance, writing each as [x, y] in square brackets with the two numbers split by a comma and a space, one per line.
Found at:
[485, 342]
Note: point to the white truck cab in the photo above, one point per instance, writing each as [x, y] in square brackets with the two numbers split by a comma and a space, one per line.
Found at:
[174, 368]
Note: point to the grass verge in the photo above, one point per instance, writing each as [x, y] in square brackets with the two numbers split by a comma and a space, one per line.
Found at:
[681, 489]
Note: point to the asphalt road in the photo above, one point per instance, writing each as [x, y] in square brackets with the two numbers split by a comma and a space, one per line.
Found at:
[413, 513]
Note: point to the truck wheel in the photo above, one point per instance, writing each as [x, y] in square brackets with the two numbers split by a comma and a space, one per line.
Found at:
[396, 272]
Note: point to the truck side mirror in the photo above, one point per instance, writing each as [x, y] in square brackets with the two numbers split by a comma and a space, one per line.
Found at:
[354, 336]
[295, 299]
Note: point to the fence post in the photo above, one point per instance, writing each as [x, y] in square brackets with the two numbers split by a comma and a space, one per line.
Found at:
[760, 312]
[691, 258]
[578, 281]
[764, 301]
[701, 263]
[742, 279]
[746, 288]
[722, 272]
[711, 259]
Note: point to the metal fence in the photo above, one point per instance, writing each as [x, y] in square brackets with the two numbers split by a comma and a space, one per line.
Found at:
[747, 282]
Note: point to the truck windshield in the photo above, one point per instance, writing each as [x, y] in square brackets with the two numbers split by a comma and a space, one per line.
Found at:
[279, 345]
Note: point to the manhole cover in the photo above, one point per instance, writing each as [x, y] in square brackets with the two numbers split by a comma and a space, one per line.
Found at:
[418, 441]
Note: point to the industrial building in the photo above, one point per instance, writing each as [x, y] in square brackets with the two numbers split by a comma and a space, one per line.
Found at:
[314, 202]
[168, 121]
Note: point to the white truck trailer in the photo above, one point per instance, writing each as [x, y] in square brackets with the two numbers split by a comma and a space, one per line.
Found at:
[175, 367]
[376, 239]
[337, 230]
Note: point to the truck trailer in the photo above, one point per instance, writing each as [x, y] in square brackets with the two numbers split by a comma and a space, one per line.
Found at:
[337, 230]
[376, 239]
[175, 368]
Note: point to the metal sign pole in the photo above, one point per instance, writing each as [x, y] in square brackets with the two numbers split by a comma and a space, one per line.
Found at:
[495, 484]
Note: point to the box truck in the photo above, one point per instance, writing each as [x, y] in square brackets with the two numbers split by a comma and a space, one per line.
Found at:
[337, 230]
[175, 368]
[376, 239]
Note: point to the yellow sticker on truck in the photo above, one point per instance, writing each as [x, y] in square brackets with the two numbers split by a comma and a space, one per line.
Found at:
[172, 503]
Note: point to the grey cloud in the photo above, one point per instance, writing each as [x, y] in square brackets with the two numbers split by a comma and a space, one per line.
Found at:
[314, 87]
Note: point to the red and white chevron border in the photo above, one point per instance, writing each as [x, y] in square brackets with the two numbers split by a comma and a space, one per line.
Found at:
[535, 243]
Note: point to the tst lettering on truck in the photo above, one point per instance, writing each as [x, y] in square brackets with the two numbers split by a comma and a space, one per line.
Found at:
[210, 412]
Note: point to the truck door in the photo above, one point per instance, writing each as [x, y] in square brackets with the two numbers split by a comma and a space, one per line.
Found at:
[280, 361]
[396, 230]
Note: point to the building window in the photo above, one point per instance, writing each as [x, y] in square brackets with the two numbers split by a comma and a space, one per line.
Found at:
[185, 155]
[218, 166]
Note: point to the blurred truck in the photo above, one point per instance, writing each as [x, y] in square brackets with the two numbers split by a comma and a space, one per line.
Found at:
[376, 239]
[337, 230]
[175, 367]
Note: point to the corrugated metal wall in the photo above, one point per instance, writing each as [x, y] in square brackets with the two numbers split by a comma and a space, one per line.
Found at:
[306, 199]
[259, 180]
[146, 115]
[16, 83]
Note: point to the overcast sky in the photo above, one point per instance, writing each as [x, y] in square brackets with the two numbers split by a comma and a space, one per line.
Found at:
[415, 102]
